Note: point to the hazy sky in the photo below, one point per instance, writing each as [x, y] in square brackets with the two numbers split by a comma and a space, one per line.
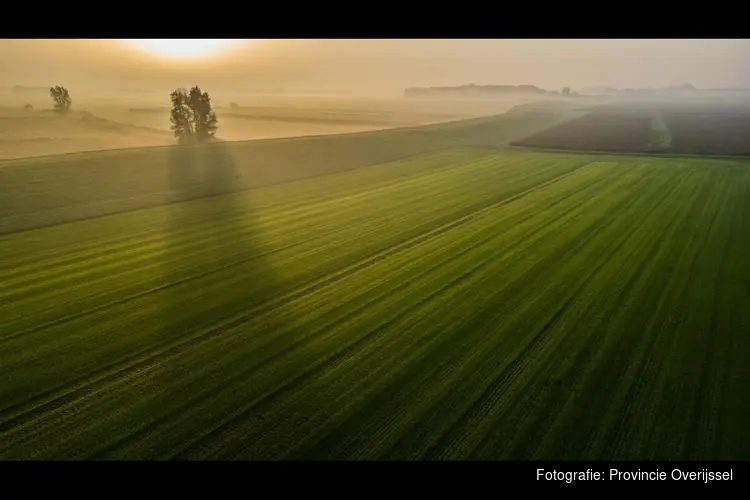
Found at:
[388, 65]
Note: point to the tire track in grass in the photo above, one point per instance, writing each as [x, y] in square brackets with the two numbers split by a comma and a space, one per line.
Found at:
[539, 228]
[442, 367]
[609, 344]
[204, 443]
[697, 345]
[432, 159]
[187, 236]
[699, 242]
[734, 409]
[645, 353]
[202, 393]
[609, 341]
[449, 285]
[435, 368]
[731, 410]
[121, 301]
[142, 294]
[245, 374]
[702, 434]
[539, 444]
[66, 398]
[516, 361]
[467, 274]
[422, 273]
[495, 389]
[192, 239]
[654, 248]
[319, 236]
[533, 429]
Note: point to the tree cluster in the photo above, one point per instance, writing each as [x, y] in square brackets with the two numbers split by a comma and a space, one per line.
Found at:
[61, 98]
[192, 118]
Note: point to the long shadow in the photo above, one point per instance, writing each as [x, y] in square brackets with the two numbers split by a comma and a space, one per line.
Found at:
[213, 266]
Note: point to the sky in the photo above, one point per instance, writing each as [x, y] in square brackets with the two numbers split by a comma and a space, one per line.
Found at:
[382, 65]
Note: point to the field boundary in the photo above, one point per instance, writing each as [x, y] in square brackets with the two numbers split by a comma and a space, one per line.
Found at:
[536, 149]
[427, 127]
[240, 189]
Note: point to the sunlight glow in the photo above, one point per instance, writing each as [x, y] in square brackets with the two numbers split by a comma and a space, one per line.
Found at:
[184, 48]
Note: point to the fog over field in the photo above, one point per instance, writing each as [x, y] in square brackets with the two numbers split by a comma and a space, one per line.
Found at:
[121, 120]
[285, 88]
[374, 249]
[379, 66]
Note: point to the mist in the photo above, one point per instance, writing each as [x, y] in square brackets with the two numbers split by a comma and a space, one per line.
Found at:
[382, 66]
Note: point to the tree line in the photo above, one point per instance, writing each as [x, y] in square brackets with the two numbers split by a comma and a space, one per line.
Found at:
[192, 118]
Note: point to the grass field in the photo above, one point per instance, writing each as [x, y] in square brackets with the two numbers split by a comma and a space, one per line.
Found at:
[44, 191]
[460, 303]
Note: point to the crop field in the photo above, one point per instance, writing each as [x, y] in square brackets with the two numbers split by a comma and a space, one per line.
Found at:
[720, 130]
[611, 131]
[466, 303]
[43, 191]
[685, 128]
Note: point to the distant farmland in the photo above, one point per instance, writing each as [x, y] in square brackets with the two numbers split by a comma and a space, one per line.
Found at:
[43, 191]
[466, 303]
[684, 128]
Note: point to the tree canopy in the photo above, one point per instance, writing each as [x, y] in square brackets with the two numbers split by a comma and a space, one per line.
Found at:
[192, 118]
[61, 98]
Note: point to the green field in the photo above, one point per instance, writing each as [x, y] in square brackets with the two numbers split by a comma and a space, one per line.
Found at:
[45, 191]
[447, 301]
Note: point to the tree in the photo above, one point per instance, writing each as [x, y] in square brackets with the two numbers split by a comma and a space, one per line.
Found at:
[28, 106]
[234, 105]
[193, 120]
[62, 99]
[566, 91]
[179, 116]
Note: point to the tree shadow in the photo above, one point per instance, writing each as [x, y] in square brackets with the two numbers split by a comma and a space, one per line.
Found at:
[213, 262]
[214, 270]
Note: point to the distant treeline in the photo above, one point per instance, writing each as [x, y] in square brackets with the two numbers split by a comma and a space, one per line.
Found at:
[665, 90]
[477, 90]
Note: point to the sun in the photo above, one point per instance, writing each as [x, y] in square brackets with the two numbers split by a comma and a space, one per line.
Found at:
[185, 49]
